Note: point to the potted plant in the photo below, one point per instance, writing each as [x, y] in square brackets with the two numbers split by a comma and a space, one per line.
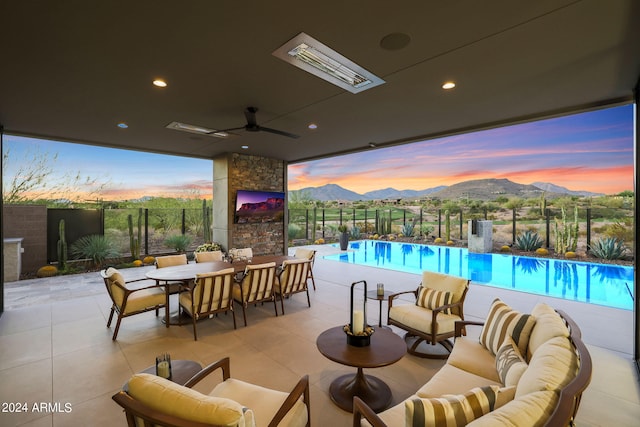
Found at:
[344, 237]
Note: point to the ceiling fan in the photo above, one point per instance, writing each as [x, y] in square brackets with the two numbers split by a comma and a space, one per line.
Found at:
[252, 125]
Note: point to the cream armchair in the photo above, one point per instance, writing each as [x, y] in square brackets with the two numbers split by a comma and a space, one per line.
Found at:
[129, 300]
[150, 400]
[431, 318]
[208, 256]
[293, 279]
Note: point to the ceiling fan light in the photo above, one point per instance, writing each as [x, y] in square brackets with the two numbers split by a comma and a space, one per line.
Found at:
[306, 53]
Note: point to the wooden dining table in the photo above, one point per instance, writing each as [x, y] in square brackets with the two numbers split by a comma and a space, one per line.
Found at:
[187, 272]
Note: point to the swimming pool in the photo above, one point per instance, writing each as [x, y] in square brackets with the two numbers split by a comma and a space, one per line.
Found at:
[604, 284]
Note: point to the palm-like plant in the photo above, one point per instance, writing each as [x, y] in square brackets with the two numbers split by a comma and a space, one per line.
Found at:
[608, 248]
[95, 247]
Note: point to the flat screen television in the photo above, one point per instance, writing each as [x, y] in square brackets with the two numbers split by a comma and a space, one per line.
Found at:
[259, 206]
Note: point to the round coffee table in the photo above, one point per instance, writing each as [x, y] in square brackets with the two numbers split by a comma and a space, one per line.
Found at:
[385, 349]
[181, 370]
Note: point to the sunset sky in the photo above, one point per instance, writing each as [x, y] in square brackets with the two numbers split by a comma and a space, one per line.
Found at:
[590, 151]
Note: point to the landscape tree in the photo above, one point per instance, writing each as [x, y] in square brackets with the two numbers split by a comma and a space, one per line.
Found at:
[33, 179]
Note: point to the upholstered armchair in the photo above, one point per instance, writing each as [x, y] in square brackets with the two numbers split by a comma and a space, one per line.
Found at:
[310, 254]
[171, 261]
[437, 305]
[150, 400]
[211, 293]
[256, 286]
[130, 300]
[293, 279]
[241, 254]
[208, 256]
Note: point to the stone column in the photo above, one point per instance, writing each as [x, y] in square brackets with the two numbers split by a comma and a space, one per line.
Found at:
[233, 172]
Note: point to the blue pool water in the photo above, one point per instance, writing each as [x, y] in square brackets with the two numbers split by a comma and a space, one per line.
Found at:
[604, 284]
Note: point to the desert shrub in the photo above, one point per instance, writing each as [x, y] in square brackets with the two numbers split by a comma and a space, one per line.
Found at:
[293, 231]
[178, 242]
[618, 230]
[355, 232]
[95, 247]
[529, 241]
[608, 248]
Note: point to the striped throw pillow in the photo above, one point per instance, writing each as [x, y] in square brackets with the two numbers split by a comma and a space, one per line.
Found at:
[451, 410]
[509, 363]
[502, 321]
[432, 299]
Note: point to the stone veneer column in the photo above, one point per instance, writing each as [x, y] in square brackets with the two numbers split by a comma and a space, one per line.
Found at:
[233, 172]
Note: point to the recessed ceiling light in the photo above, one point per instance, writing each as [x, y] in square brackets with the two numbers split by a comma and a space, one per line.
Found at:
[160, 83]
[307, 53]
[185, 127]
[312, 126]
[448, 85]
[122, 125]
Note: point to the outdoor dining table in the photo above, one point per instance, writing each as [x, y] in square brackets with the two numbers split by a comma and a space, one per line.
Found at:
[187, 272]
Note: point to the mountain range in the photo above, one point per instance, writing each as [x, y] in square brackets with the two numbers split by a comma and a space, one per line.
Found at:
[480, 189]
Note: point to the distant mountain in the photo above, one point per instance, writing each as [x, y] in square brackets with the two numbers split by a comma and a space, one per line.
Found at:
[329, 192]
[479, 189]
[552, 188]
[488, 189]
[336, 192]
[392, 193]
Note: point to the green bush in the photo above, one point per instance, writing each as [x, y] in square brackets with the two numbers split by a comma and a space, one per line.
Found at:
[529, 241]
[293, 230]
[96, 247]
[608, 248]
[178, 242]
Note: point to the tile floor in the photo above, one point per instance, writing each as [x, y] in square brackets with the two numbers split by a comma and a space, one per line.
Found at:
[56, 350]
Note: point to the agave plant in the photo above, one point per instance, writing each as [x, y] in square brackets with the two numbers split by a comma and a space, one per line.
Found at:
[608, 248]
[407, 229]
[96, 247]
[529, 241]
[178, 242]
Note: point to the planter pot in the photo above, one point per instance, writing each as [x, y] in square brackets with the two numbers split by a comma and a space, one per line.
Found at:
[344, 241]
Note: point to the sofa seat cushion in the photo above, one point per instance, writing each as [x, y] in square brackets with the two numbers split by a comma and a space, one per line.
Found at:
[419, 318]
[170, 398]
[394, 416]
[452, 380]
[531, 410]
[551, 367]
[549, 325]
[262, 401]
[503, 321]
[469, 355]
[450, 410]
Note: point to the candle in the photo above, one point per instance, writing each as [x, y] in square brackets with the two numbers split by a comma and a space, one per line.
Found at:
[358, 322]
[380, 289]
[163, 369]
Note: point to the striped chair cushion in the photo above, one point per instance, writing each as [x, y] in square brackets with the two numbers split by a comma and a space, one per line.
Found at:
[432, 299]
[509, 363]
[451, 410]
[503, 321]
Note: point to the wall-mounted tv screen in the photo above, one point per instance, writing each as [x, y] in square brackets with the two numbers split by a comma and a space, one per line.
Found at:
[259, 206]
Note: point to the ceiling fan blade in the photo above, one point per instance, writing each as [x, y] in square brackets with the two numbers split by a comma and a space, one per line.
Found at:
[279, 132]
[225, 130]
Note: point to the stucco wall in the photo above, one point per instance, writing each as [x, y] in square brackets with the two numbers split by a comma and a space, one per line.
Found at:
[30, 223]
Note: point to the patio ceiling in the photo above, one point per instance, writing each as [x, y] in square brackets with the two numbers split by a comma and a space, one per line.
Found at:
[72, 70]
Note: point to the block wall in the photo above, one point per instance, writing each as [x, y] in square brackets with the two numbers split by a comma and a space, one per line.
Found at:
[30, 223]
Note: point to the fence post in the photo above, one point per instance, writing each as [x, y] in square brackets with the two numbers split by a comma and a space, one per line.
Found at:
[460, 223]
[146, 231]
[323, 225]
[354, 217]
[183, 228]
[366, 226]
[306, 224]
[513, 226]
[420, 232]
[440, 223]
[547, 213]
[588, 229]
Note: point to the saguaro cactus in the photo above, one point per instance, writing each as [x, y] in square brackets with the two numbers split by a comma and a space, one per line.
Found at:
[62, 246]
[206, 223]
[134, 241]
[447, 225]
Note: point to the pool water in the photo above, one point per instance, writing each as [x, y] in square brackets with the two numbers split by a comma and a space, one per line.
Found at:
[603, 284]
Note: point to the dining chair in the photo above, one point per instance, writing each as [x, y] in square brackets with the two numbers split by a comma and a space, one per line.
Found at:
[292, 280]
[211, 293]
[208, 256]
[171, 261]
[130, 300]
[256, 286]
[241, 254]
[309, 254]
